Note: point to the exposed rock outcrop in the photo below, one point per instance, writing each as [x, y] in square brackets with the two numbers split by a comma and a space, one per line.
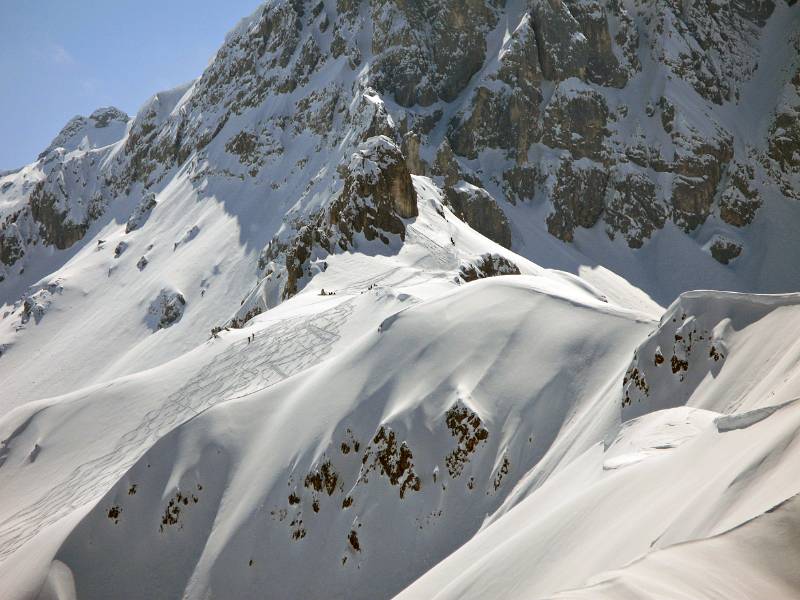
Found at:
[563, 47]
[476, 207]
[578, 196]
[56, 226]
[602, 64]
[377, 192]
[632, 208]
[739, 201]
[697, 175]
[377, 195]
[141, 212]
[533, 102]
[166, 310]
[504, 109]
[425, 53]
[575, 119]
[487, 265]
[724, 250]
[784, 134]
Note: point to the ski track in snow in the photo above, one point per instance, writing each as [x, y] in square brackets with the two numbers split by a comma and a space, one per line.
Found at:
[446, 258]
[283, 350]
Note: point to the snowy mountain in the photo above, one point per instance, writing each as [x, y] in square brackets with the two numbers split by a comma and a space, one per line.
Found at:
[375, 307]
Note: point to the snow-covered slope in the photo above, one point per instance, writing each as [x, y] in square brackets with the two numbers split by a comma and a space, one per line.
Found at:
[437, 432]
[478, 437]
[374, 308]
[657, 142]
[668, 478]
[403, 346]
[754, 560]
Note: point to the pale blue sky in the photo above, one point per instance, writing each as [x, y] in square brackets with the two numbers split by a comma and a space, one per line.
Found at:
[59, 58]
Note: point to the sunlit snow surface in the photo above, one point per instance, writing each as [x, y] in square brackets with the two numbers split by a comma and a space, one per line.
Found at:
[560, 493]
[392, 431]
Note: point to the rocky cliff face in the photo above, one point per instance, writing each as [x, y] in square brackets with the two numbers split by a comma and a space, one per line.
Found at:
[376, 198]
[611, 114]
[346, 140]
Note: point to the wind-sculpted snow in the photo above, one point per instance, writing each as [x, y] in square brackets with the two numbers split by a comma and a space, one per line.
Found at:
[243, 368]
[707, 339]
[592, 120]
[668, 485]
[748, 561]
[479, 423]
[411, 434]
[746, 419]
[390, 402]
[495, 399]
[576, 133]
